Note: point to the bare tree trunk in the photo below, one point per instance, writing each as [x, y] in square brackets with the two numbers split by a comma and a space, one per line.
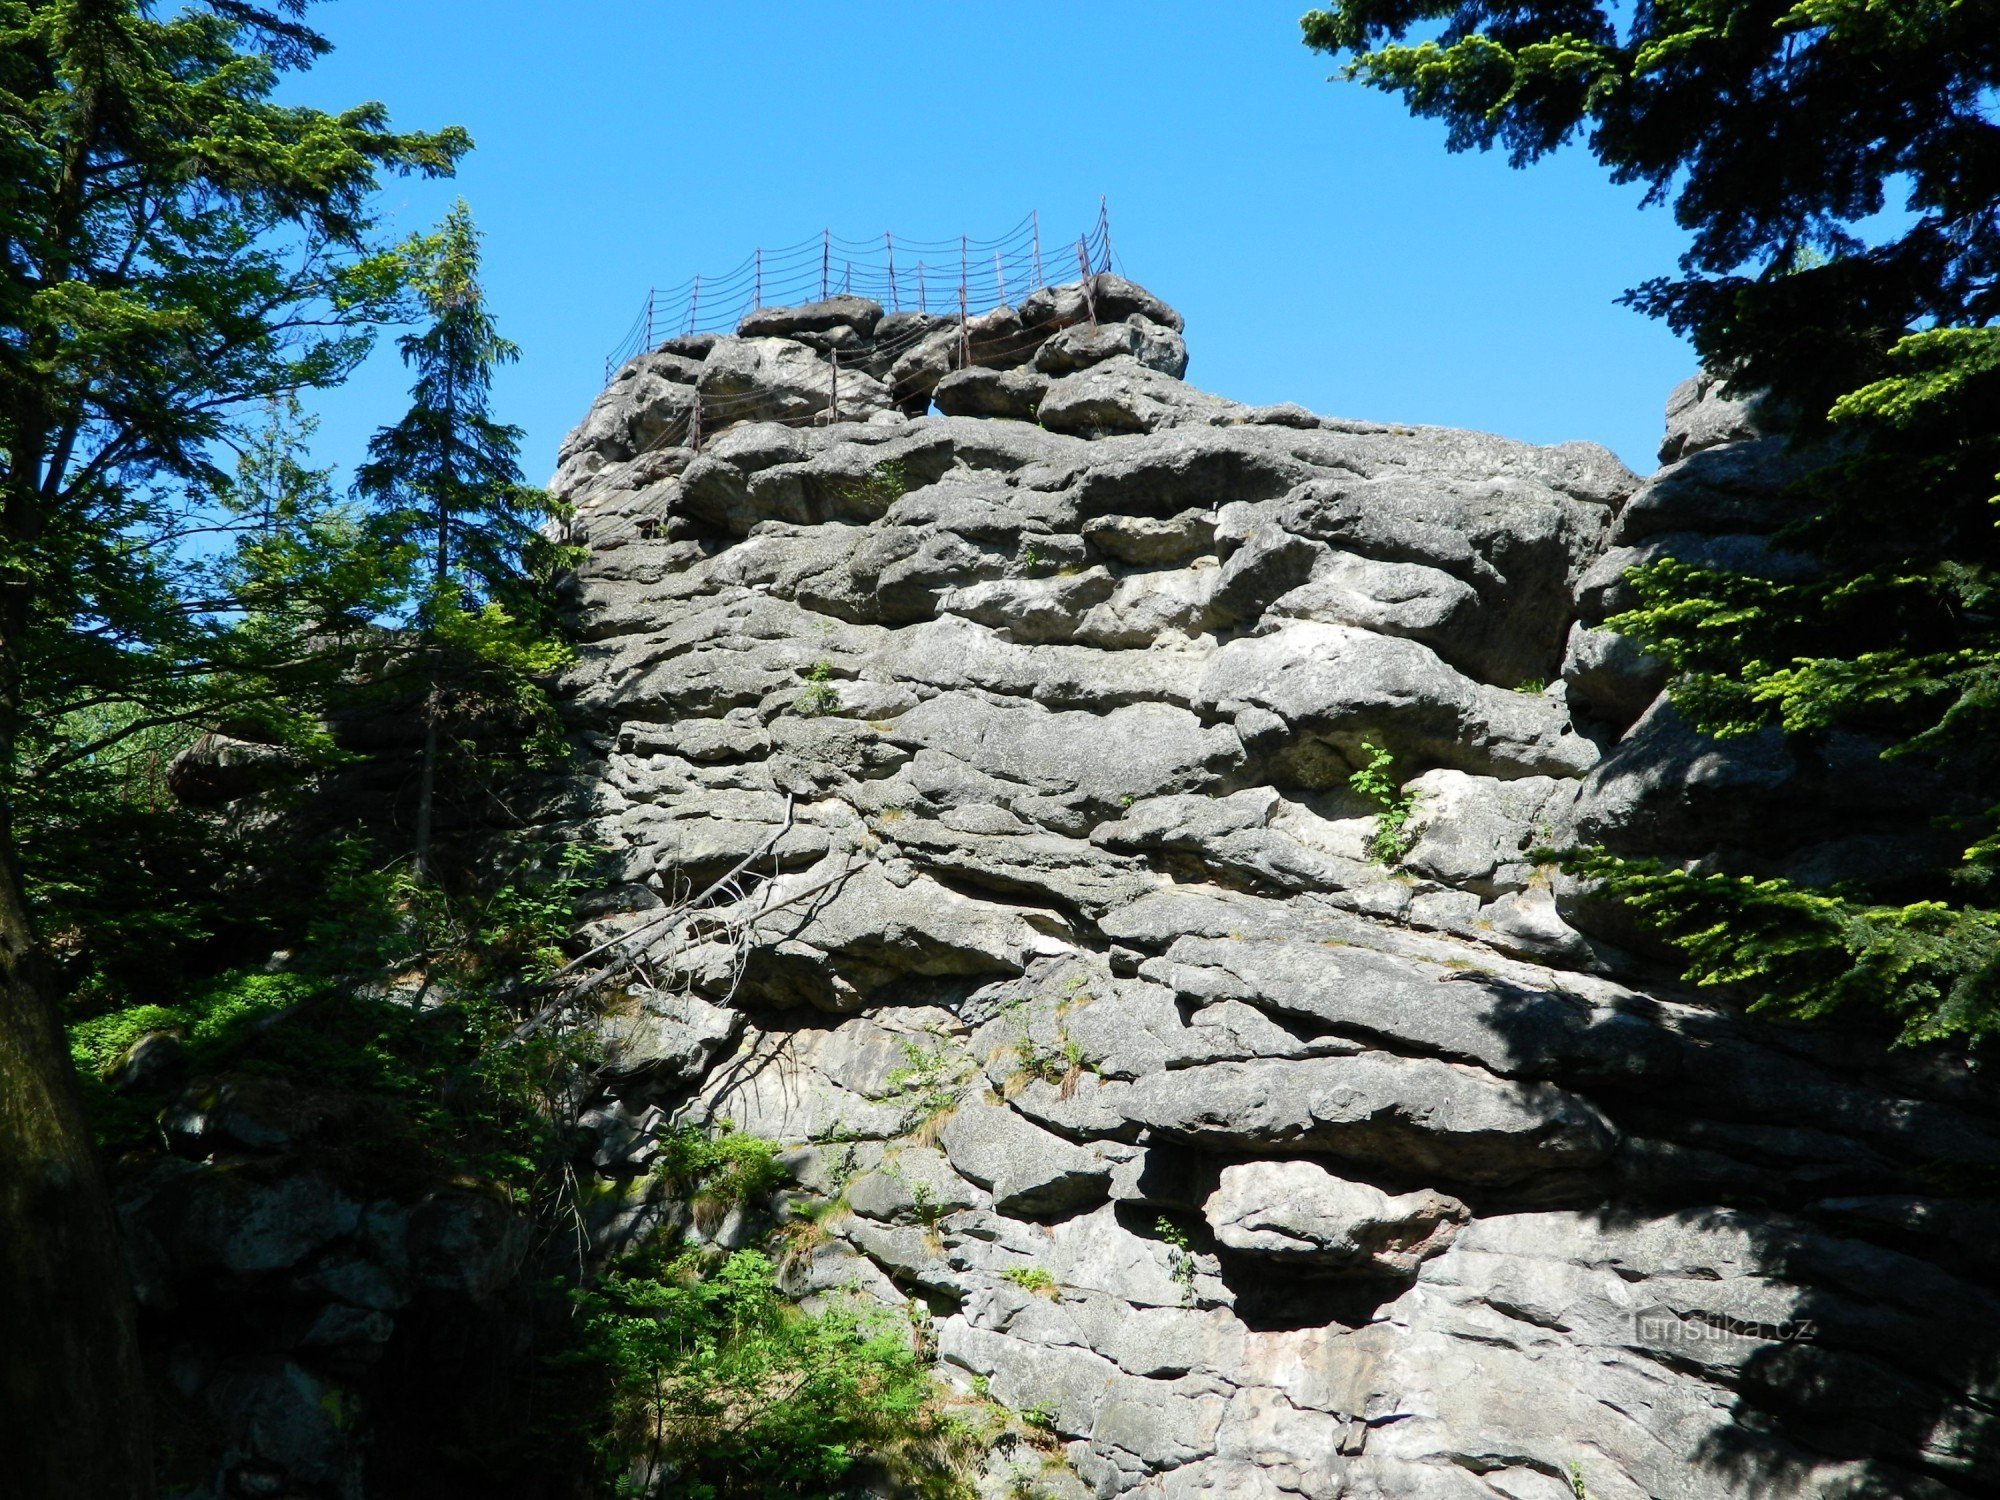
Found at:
[73, 1418]
[427, 785]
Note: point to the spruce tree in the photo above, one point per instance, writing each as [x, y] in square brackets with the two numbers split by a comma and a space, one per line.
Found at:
[175, 250]
[1779, 130]
[446, 482]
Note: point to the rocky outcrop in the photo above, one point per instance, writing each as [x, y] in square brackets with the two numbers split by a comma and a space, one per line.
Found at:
[1348, 1175]
[1010, 690]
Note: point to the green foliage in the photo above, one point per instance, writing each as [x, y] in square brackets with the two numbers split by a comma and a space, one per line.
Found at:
[445, 483]
[932, 1080]
[1036, 1279]
[1180, 1255]
[396, 998]
[1775, 127]
[183, 253]
[1895, 636]
[724, 1388]
[1780, 131]
[446, 480]
[819, 696]
[1040, 1417]
[1376, 781]
[720, 1172]
[1060, 1063]
[923, 1202]
[1805, 953]
[884, 485]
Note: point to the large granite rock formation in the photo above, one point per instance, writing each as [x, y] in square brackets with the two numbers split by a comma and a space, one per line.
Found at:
[1349, 1178]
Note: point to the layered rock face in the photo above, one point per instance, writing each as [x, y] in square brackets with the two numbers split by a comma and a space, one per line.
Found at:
[1250, 1152]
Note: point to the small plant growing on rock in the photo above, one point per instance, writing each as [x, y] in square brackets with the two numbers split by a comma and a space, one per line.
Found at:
[1576, 1486]
[1061, 1064]
[1040, 1418]
[1036, 1279]
[930, 1083]
[794, 1241]
[719, 1173]
[1180, 1256]
[1375, 781]
[819, 697]
[883, 486]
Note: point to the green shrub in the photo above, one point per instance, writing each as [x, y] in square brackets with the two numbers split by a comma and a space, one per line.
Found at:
[1036, 1279]
[1391, 839]
[719, 1172]
[731, 1390]
[931, 1081]
[819, 697]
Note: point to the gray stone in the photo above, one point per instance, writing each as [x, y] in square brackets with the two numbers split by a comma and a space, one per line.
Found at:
[1081, 346]
[1102, 758]
[1700, 416]
[1345, 686]
[1602, 589]
[239, 1221]
[1121, 395]
[1112, 297]
[156, 1060]
[1012, 395]
[1029, 1171]
[666, 1039]
[1414, 1115]
[1476, 833]
[1610, 676]
[648, 402]
[1739, 487]
[1141, 1066]
[857, 313]
[1030, 609]
[781, 380]
[915, 1186]
[1153, 542]
[1298, 1212]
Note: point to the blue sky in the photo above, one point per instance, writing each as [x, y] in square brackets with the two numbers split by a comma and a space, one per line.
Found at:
[1324, 247]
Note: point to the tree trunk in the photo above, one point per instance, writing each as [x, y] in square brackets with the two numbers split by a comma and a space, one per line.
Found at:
[73, 1419]
[427, 784]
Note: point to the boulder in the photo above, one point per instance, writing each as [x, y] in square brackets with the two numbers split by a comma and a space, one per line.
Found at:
[1299, 1213]
[782, 380]
[1451, 1123]
[1029, 1171]
[1083, 345]
[666, 1039]
[1013, 395]
[1112, 297]
[1701, 416]
[1609, 676]
[1153, 541]
[856, 313]
[1121, 395]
